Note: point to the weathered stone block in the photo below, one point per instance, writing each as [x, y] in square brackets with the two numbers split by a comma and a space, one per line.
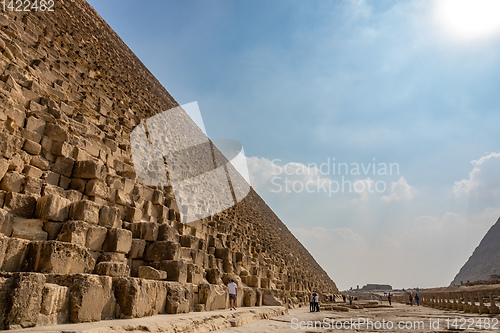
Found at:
[64, 166]
[36, 125]
[224, 253]
[52, 229]
[249, 297]
[133, 214]
[167, 233]
[162, 250]
[96, 235]
[214, 276]
[89, 169]
[26, 300]
[74, 232]
[59, 258]
[15, 255]
[269, 298]
[137, 248]
[32, 147]
[91, 296]
[22, 205]
[53, 208]
[109, 217]
[214, 297]
[148, 272]
[145, 230]
[31, 229]
[195, 274]
[4, 166]
[118, 240]
[6, 222]
[178, 299]
[97, 188]
[176, 270]
[113, 269]
[138, 298]
[55, 299]
[112, 256]
[12, 182]
[85, 210]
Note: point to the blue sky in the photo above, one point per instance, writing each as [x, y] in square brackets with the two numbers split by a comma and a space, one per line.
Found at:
[299, 82]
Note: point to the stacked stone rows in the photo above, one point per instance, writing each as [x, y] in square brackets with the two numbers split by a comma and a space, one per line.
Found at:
[72, 216]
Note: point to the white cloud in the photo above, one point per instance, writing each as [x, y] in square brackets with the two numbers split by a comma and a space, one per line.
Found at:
[484, 179]
[400, 190]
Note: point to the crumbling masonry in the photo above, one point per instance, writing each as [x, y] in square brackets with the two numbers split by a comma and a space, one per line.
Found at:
[82, 240]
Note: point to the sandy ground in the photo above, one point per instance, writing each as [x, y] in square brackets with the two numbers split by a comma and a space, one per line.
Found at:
[398, 318]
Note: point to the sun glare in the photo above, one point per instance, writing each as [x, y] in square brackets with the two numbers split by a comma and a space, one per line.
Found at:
[470, 19]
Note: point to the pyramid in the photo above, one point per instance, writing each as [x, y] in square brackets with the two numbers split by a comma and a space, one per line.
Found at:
[81, 238]
[485, 261]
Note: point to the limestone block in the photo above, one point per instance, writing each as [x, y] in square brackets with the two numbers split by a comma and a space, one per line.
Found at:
[269, 298]
[167, 233]
[162, 250]
[55, 298]
[148, 272]
[195, 274]
[224, 253]
[176, 270]
[52, 207]
[40, 162]
[78, 184]
[137, 248]
[6, 222]
[200, 258]
[138, 298]
[10, 144]
[214, 297]
[189, 241]
[113, 269]
[123, 198]
[31, 229]
[249, 297]
[6, 287]
[36, 125]
[4, 166]
[52, 229]
[12, 182]
[26, 300]
[56, 133]
[59, 258]
[97, 188]
[96, 235]
[178, 300]
[118, 240]
[74, 232]
[15, 254]
[22, 205]
[109, 217]
[32, 171]
[32, 147]
[133, 214]
[61, 148]
[85, 210]
[91, 296]
[64, 166]
[51, 178]
[112, 256]
[89, 169]
[145, 230]
[214, 276]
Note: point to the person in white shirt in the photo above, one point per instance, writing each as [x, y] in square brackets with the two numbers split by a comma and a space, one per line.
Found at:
[233, 289]
[316, 302]
[311, 303]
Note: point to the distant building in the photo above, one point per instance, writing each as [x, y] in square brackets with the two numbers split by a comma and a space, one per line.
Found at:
[376, 287]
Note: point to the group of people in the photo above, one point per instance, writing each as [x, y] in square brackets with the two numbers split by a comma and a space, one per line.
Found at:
[416, 298]
[314, 303]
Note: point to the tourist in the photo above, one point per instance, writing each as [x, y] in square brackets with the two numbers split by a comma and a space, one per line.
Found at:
[343, 297]
[389, 297]
[411, 300]
[316, 302]
[417, 299]
[311, 303]
[350, 299]
[233, 288]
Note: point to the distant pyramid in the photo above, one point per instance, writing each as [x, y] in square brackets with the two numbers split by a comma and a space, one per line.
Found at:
[485, 261]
